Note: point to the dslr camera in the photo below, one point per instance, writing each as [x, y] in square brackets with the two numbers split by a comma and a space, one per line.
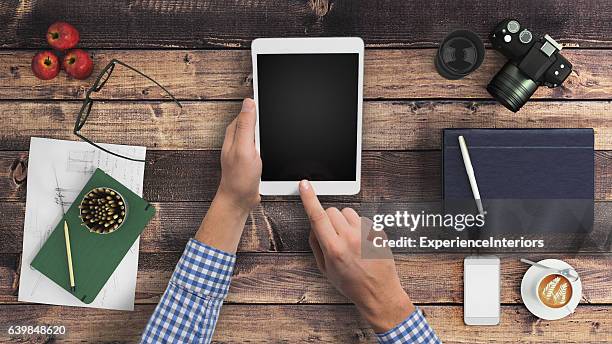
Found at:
[531, 63]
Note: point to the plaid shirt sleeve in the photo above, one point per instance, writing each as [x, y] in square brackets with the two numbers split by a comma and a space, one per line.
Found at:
[188, 310]
[414, 329]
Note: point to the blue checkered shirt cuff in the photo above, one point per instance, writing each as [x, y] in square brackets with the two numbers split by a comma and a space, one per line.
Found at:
[414, 329]
[204, 270]
[188, 310]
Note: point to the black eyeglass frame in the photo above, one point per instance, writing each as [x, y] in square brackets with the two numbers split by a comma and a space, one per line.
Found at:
[96, 87]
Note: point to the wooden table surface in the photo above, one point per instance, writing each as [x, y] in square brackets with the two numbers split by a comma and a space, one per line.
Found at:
[200, 51]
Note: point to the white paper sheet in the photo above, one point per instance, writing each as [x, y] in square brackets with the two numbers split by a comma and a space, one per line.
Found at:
[74, 163]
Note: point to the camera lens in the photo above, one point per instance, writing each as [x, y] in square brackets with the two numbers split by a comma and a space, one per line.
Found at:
[460, 53]
[511, 87]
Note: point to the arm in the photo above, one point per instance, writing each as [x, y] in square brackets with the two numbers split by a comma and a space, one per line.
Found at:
[190, 306]
[365, 274]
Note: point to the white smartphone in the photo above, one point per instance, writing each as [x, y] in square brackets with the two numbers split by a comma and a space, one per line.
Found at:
[481, 290]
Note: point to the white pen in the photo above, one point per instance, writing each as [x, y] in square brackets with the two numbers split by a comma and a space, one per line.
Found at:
[470, 173]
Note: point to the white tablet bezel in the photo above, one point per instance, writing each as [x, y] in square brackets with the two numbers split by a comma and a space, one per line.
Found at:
[329, 45]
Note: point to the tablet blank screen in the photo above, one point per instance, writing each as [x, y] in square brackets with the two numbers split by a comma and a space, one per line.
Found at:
[308, 116]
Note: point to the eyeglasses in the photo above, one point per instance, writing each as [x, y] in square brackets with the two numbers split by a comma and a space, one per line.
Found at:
[97, 86]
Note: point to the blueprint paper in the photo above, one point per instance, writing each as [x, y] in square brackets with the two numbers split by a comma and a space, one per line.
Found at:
[74, 163]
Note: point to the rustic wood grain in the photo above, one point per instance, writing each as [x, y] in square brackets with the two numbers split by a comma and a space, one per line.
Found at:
[226, 74]
[199, 23]
[194, 175]
[398, 176]
[284, 227]
[276, 286]
[293, 278]
[387, 125]
[311, 324]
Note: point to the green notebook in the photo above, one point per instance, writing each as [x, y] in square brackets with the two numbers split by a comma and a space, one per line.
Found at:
[94, 256]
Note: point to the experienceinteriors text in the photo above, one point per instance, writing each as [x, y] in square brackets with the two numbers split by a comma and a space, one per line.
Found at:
[425, 242]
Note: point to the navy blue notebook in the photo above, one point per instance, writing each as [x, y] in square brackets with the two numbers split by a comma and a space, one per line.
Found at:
[547, 174]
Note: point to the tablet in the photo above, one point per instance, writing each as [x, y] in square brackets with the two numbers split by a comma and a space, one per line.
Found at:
[309, 93]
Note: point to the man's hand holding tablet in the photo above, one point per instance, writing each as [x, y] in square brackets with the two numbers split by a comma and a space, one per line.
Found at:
[372, 284]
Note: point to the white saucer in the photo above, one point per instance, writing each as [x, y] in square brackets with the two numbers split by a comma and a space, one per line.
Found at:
[528, 291]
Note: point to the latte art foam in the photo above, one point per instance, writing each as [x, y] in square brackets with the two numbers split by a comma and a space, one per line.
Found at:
[555, 291]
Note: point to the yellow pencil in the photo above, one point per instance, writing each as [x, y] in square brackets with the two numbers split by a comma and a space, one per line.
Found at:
[69, 255]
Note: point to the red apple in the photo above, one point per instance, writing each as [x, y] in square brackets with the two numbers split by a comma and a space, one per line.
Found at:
[45, 65]
[62, 36]
[78, 64]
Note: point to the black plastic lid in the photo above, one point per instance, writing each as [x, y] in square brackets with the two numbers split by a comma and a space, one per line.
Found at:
[460, 53]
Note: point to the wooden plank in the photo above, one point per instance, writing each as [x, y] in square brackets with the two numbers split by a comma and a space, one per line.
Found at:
[263, 278]
[226, 74]
[282, 227]
[587, 325]
[398, 176]
[387, 125]
[296, 324]
[194, 175]
[9, 277]
[268, 278]
[197, 24]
